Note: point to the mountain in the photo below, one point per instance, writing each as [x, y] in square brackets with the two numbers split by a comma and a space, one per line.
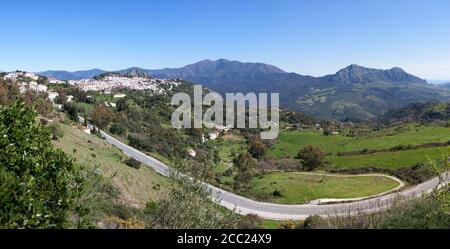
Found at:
[77, 75]
[354, 74]
[218, 68]
[354, 92]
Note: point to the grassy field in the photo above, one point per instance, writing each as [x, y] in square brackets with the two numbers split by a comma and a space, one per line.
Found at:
[299, 188]
[138, 186]
[276, 224]
[389, 160]
[290, 143]
[227, 149]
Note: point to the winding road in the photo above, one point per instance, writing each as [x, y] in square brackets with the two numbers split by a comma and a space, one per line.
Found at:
[273, 211]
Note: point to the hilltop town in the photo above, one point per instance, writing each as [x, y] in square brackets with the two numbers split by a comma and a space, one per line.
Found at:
[104, 84]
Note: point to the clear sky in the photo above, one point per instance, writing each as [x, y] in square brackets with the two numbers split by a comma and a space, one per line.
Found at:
[314, 37]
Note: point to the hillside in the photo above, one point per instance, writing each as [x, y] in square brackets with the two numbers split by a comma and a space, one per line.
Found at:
[355, 92]
[417, 112]
[136, 186]
[77, 75]
[355, 74]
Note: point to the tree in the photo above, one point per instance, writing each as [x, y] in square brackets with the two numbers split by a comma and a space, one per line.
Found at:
[122, 105]
[118, 129]
[71, 110]
[311, 157]
[102, 116]
[257, 148]
[38, 183]
[245, 165]
[61, 98]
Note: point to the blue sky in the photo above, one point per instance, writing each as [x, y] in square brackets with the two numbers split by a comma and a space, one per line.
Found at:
[314, 37]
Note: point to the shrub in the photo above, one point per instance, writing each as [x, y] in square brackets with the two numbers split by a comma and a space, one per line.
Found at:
[133, 163]
[312, 221]
[277, 193]
[56, 130]
[118, 129]
[312, 157]
[250, 221]
[257, 148]
[228, 172]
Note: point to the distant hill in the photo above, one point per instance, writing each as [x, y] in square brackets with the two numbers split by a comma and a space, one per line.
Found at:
[417, 112]
[77, 75]
[354, 74]
[354, 92]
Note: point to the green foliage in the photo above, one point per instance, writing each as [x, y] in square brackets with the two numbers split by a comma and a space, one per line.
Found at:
[118, 129]
[312, 157]
[250, 221]
[55, 129]
[257, 148]
[187, 205]
[133, 163]
[122, 105]
[245, 165]
[38, 184]
[71, 110]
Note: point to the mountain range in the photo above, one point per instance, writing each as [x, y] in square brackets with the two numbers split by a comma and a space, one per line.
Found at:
[354, 92]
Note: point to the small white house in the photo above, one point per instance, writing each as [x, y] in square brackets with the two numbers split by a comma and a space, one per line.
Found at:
[120, 95]
[69, 98]
[52, 96]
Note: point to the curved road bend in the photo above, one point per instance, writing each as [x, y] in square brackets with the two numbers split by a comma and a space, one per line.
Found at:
[273, 211]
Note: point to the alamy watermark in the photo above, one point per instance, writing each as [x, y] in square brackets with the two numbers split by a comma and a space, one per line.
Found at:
[237, 107]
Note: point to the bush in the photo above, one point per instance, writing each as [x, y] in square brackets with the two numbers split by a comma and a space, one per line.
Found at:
[277, 193]
[250, 221]
[228, 172]
[312, 221]
[133, 163]
[118, 129]
[257, 148]
[56, 130]
[312, 157]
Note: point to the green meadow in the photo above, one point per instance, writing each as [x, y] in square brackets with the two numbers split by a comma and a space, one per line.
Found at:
[299, 188]
[290, 142]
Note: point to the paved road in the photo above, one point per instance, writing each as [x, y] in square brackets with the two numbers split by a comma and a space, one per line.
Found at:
[273, 211]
